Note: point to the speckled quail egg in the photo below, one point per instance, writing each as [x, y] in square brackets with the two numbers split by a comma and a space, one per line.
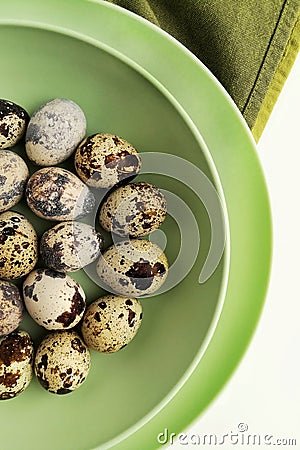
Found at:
[53, 299]
[13, 122]
[133, 210]
[69, 246]
[57, 194]
[134, 268]
[111, 322]
[18, 245]
[104, 160]
[16, 357]
[54, 131]
[13, 176]
[11, 307]
[62, 362]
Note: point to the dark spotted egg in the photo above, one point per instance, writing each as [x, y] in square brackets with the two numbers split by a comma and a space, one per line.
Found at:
[18, 245]
[134, 268]
[69, 246]
[104, 160]
[54, 193]
[11, 307]
[62, 362]
[54, 131]
[16, 358]
[13, 122]
[133, 210]
[13, 176]
[111, 322]
[53, 299]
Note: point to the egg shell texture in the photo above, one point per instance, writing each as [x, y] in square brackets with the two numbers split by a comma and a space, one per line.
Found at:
[18, 245]
[69, 246]
[111, 322]
[133, 210]
[13, 176]
[62, 362]
[104, 160]
[11, 307]
[16, 357]
[57, 194]
[54, 131]
[134, 268]
[13, 122]
[53, 299]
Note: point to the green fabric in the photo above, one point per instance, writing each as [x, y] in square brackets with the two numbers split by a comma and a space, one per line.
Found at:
[241, 41]
[278, 80]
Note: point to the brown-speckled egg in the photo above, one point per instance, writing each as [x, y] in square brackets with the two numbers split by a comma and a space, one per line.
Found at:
[13, 176]
[53, 299]
[133, 210]
[13, 122]
[11, 307]
[57, 194]
[104, 160]
[134, 268]
[18, 245]
[16, 358]
[54, 131]
[111, 322]
[62, 362]
[69, 246]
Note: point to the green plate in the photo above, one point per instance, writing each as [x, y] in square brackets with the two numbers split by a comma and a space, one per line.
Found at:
[132, 79]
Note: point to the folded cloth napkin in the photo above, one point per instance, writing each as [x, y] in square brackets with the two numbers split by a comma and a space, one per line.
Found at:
[249, 45]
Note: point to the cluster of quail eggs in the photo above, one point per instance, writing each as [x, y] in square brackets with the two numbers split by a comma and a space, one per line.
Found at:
[130, 268]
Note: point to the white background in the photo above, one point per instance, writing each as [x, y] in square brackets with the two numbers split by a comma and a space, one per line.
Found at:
[264, 391]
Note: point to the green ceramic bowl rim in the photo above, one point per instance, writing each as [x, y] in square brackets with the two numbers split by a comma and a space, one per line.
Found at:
[182, 418]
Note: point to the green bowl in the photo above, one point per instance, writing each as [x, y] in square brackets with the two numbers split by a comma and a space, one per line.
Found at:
[134, 80]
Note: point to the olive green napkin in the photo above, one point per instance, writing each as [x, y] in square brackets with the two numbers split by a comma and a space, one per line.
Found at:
[249, 45]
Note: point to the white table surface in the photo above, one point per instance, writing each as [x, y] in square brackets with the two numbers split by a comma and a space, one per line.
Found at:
[264, 392]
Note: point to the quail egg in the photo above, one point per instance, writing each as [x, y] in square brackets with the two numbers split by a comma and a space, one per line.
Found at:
[62, 362]
[54, 131]
[111, 322]
[57, 194]
[133, 210]
[18, 245]
[134, 268]
[104, 160]
[16, 357]
[11, 307]
[13, 122]
[69, 246]
[13, 176]
[53, 299]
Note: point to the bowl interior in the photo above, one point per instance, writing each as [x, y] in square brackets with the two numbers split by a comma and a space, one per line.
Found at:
[124, 387]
